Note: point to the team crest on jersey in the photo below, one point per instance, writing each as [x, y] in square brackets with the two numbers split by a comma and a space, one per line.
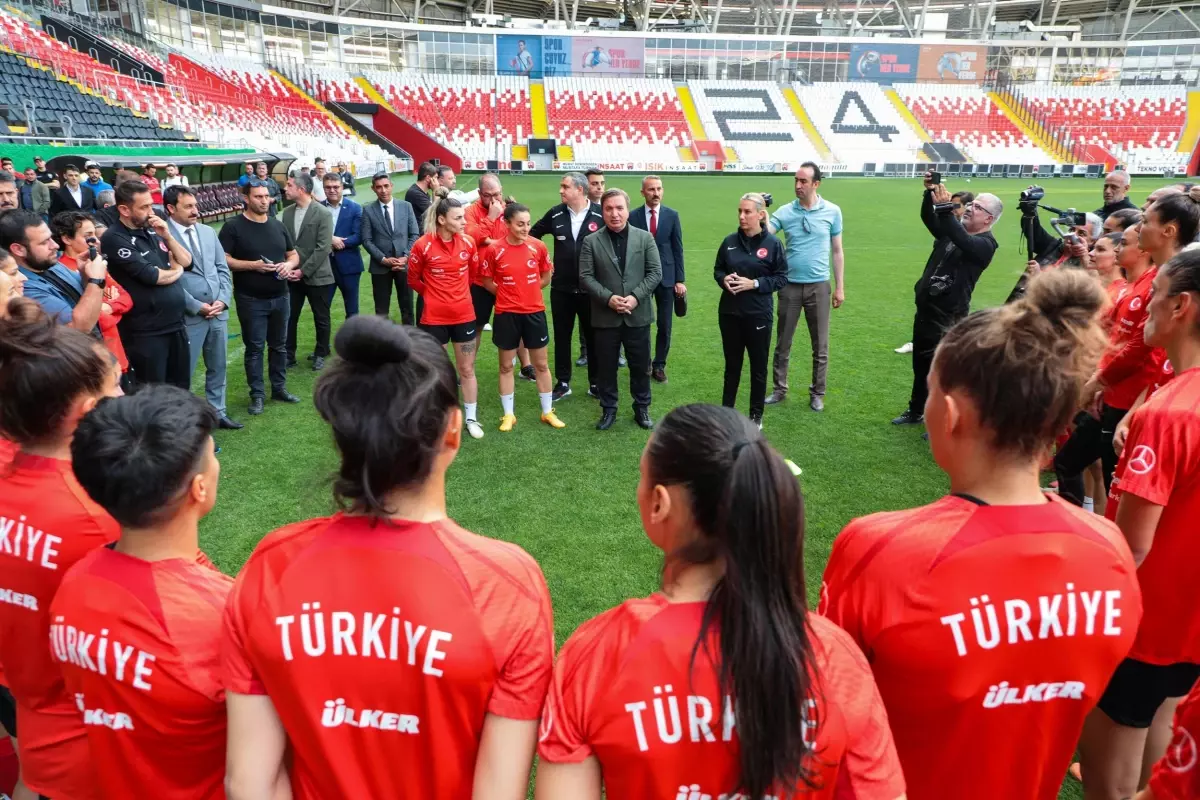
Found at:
[531, 264]
[464, 255]
[1135, 304]
[1181, 755]
[1143, 459]
[762, 252]
[592, 227]
[162, 245]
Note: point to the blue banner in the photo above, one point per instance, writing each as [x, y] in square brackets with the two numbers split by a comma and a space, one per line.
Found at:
[519, 55]
[884, 63]
[556, 56]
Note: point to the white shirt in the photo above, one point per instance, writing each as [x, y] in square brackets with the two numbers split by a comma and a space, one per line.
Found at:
[464, 197]
[318, 190]
[178, 180]
[578, 218]
[76, 194]
[336, 211]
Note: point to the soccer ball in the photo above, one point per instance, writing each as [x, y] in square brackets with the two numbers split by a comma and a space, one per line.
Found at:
[968, 180]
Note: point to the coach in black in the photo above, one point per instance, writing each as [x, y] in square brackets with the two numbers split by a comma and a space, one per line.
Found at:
[751, 266]
[571, 221]
[147, 261]
[417, 195]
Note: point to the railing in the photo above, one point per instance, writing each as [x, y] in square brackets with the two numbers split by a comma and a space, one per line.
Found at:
[140, 144]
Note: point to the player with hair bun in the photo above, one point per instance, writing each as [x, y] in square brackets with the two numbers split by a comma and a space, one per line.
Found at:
[384, 651]
[1157, 499]
[516, 269]
[721, 684]
[994, 617]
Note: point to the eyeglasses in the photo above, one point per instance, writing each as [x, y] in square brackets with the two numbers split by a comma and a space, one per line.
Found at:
[804, 225]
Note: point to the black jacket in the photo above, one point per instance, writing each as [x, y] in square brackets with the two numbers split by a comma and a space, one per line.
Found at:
[1103, 211]
[420, 201]
[958, 259]
[61, 200]
[566, 247]
[760, 258]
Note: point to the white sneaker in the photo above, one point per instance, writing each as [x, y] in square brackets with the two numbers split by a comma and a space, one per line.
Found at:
[487, 326]
[904, 348]
[475, 429]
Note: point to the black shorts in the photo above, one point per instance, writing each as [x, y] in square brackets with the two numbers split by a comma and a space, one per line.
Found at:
[8, 711]
[461, 333]
[510, 330]
[483, 301]
[1137, 689]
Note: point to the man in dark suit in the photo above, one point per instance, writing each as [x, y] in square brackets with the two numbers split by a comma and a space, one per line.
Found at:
[417, 195]
[619, 269]
[389, 230]
[72, 195]
[663, 225]
[346, 258]
[571, 221]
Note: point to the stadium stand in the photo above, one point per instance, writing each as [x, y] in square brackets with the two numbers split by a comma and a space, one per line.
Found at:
[1136, 126]
[334, 85]
[607, 119]
[753, 119]
[477, 116]
[859, 123]
[152, 60]
[963, 115]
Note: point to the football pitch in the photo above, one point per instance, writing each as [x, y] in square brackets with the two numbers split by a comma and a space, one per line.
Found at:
[568, 496]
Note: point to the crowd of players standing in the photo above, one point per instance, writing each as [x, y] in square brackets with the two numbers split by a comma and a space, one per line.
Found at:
[968, 645]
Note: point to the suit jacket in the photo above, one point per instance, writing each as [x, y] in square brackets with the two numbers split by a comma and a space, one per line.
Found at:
[209, 278]
[381, 244]
[39, 194]
[567, 248]
[61, 200]
[349, 226]
[669, 240]
[602, 278]
[314, 242]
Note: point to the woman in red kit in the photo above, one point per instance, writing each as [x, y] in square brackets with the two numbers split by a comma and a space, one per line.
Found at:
[50, 377]
[516, 269]
[440, 267]
[1130, 365]
[1176, 776]
[646, 695]
[994, 617]
[385, 652]
[1157, 494]
[1104, 264]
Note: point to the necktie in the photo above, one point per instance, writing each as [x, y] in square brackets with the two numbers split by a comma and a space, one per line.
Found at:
[192, 245]
[387, 218]
[653, 223]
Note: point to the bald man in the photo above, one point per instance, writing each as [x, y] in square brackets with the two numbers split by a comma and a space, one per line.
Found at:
[962, 250]
[1116, 191]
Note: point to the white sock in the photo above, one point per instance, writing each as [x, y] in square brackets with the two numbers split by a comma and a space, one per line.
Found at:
[1089, 504]
[547, 399]
[506, 402]
[470, 410]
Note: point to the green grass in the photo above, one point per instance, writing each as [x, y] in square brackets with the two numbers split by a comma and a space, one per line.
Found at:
[567, 496]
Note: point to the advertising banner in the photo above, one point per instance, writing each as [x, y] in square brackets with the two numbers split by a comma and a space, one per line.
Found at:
[947, 63]
[884, 63]
[519, 55]
[629, 166]
[608, 55]
[556, 56]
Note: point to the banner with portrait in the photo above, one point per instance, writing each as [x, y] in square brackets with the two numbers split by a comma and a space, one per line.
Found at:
[948, 63]
[883, 63]
[608, 55]
[519, 55]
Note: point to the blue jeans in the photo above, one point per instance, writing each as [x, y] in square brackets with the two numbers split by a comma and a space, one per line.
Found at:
[264, 322]
[348, 286]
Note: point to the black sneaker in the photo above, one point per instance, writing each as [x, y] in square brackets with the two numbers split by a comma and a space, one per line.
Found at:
[318, 363]
[560, 391]
[593, 391]
[528, 373]
[582, 360]
[757, 420]
[909, 417]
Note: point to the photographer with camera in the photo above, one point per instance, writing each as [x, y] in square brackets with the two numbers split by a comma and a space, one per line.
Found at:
[962, 250]
[1076, 231]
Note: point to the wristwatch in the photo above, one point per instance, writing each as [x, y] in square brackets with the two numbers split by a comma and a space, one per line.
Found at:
[756, 283]
[101, 282]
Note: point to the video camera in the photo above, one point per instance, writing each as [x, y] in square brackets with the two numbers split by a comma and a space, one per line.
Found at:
[767, 198]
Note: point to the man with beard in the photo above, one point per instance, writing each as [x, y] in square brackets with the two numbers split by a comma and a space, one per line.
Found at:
[70, 298]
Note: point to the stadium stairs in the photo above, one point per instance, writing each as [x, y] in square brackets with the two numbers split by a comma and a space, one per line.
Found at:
[907, 115]
[539, 120]
[345, 113]
[411, 139]
[943, 153]
[1022, 116]
[793, 100]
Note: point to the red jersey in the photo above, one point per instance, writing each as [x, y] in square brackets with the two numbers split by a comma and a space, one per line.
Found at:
[517, 271]
[47, 523]
[383, 645]
[440, 272]
[1161, 465]
[8, 451]
[1130, 365]
[137, 642]
[624, 693]
[120, 305]
[1176, 776]
[480, 228]
[990, 629]
[155, 188]
[1114, 290]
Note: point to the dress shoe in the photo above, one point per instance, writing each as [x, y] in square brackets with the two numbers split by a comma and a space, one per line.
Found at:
[284, 396]
[292, 362]
[816, 403]
[775, 397]
[642, 417]
[318, 363]
[659, 374]
[581, 361]
[593, 391]
[256, 406]
[606, 420]
[909, 417]
[227, 424]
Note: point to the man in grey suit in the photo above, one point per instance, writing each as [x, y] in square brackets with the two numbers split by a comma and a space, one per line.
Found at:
[209, 289]
[619, 267]
[389, 231]
[312, 226]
